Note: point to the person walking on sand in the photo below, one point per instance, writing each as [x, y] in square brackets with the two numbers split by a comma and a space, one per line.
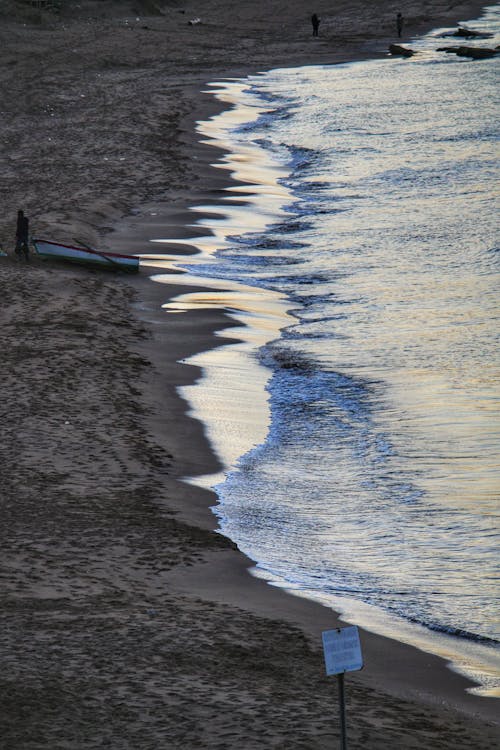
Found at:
[399, 24]
[315, 24]
[22, 235]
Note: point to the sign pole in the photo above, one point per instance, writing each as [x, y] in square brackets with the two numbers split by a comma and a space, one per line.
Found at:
[342, 651]
[343, 727]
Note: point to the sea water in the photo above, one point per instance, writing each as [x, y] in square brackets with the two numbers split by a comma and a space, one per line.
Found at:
[367, 218]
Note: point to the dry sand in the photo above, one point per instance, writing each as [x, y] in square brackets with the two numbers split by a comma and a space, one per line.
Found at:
[126, 621]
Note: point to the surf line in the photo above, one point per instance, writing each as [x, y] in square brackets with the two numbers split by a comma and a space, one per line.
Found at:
[230, 398]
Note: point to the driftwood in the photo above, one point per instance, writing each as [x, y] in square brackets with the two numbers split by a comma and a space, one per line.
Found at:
[396, 49]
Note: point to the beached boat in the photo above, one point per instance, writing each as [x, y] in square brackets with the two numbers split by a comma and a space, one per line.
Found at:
[86, 256]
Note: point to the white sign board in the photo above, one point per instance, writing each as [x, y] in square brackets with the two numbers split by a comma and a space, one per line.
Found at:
[342, 650]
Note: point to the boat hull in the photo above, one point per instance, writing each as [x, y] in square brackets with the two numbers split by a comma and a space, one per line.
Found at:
[86, 256]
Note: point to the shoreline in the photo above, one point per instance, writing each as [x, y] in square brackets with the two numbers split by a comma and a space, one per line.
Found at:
[441, 644]
[153, 577]
[224, 576]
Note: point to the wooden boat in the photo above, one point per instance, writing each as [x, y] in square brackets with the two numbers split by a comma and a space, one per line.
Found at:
[86, 256]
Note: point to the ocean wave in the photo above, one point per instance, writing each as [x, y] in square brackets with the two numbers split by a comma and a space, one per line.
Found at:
[286, 360]
[454, 631]
[262, 260]
[291, 226]
[264, 121]
[258, 242]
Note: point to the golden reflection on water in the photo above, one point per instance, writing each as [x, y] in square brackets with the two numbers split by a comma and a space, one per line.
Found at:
[230, 398]
[450, 399]
[232, 401]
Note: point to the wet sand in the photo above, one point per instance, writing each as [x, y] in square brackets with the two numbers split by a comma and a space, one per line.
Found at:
[127, 622]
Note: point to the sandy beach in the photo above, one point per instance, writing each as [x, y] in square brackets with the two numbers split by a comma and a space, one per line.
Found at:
[127, 621]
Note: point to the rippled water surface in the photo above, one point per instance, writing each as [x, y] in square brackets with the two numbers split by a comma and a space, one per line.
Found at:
[374, 215]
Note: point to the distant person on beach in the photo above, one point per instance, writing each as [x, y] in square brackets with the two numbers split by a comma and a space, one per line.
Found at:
[315, 24]
[399, 24]
[22, 235]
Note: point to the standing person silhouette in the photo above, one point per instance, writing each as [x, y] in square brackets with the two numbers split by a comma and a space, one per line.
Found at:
[315, 24]
[399, 24]
[22, 235]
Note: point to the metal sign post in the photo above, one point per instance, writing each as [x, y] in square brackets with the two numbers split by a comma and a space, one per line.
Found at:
[343, 724]
[342, 651]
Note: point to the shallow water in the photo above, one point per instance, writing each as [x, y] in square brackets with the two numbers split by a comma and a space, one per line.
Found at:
[365, 269]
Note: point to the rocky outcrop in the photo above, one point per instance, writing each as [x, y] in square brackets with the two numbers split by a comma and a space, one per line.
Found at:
[477, 53]
[468, 33]
[396, 49]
